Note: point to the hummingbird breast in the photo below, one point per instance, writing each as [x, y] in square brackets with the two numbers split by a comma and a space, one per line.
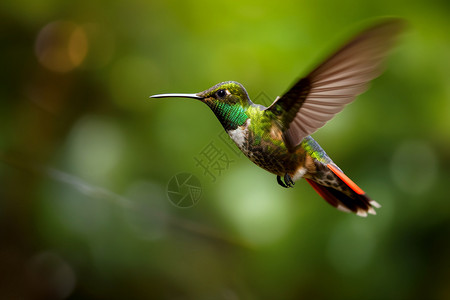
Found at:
[265, 148]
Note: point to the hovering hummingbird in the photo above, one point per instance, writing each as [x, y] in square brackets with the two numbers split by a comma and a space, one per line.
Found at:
[277, 138]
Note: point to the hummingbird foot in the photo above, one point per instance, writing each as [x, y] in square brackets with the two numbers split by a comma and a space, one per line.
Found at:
[288, 182]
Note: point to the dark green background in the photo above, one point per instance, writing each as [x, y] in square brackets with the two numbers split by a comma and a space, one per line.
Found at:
[86, 156]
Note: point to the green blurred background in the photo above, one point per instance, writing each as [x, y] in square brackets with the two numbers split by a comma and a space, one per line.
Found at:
[86, 156]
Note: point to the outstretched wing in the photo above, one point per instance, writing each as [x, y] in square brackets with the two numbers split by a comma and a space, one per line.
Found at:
[315, 99]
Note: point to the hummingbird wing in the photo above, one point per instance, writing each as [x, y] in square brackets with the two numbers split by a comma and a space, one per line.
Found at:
[316, 98]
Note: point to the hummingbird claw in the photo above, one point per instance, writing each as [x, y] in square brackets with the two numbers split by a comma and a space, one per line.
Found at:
[280, 182]
[287, 181]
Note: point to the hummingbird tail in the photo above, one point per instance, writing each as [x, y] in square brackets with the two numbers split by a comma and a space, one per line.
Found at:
[355, 201]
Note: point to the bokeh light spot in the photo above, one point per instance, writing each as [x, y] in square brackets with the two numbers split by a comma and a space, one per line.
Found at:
[351, 246]
[61, 46]
[51, 275]
[414, 166]
[95, 148]
[256, 212]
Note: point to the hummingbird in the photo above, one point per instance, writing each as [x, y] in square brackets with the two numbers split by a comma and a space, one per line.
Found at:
[278, 138]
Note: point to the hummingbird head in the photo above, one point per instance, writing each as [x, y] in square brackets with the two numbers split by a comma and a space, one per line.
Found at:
[229, 92]
[228, 100]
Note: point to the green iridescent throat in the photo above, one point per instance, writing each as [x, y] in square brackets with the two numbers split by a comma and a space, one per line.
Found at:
[230, 116]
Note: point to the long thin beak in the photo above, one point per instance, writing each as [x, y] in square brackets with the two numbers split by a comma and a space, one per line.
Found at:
[194, 96]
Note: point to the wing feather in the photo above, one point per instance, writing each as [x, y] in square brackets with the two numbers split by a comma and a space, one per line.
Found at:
[315, 99]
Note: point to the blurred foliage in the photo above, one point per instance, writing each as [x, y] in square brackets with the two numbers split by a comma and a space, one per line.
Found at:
[86, 156]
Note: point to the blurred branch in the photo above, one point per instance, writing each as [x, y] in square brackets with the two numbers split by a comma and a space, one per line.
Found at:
[100, 193]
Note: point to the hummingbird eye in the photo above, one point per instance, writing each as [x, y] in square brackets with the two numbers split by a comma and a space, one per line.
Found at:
[221, 93]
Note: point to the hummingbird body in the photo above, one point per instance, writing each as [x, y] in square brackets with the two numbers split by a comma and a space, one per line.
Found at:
[260, 138]
[277, 138]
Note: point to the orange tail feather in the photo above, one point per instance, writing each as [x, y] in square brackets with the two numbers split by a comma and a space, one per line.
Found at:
[355, 201]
